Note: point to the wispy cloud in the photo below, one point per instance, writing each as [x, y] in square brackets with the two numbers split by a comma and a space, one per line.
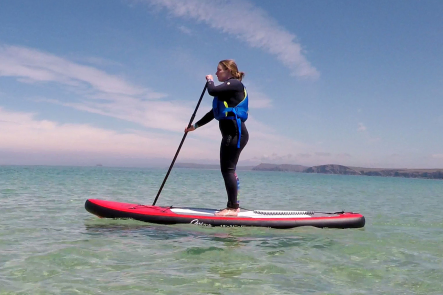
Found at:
[98, 92]
[267, 144]
[32, 66]
[248, 23]
[369, 137]
[163, 115]
[186, 62]
[22, 132]
[322, 154]
[361, 127]
[101, 93]
[260, 101]
[185, 30]
[97, 61]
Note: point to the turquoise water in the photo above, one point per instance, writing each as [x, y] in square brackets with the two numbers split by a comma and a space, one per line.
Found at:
[49, 244]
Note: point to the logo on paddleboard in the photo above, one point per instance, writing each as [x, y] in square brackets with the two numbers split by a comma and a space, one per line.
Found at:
[198, 222]
[201, 223]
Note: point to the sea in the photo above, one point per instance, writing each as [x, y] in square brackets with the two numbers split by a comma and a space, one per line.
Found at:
[49, 243]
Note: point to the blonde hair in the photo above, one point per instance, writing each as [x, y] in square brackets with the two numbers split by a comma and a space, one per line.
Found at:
[229, 64]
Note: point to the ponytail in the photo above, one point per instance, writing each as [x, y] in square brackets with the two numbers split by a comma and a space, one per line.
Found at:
[229, 64]
[239, 75]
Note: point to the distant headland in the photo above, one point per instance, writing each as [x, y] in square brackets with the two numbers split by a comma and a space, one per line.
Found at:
[331, 169]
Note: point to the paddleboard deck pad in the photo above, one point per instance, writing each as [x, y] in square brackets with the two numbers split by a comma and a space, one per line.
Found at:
[207, 217]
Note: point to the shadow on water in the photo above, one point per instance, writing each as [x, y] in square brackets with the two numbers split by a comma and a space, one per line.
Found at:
[133, 229]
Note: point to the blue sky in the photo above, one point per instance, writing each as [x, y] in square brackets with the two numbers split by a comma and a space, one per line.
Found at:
[357, 83]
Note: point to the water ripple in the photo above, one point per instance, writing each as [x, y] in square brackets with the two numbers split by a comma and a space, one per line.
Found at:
[51, 245]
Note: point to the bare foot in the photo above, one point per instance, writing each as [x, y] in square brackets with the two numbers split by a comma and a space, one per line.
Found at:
[228, 212]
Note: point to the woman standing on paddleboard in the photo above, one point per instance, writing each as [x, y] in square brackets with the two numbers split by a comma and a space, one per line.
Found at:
[230, 108]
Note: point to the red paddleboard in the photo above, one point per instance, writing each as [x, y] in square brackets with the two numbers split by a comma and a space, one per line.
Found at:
[207, 217]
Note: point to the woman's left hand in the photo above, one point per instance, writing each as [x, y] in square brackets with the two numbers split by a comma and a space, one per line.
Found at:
[209, 78]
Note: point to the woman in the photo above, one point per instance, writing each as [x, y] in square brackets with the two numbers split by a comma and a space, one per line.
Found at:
[230, 107]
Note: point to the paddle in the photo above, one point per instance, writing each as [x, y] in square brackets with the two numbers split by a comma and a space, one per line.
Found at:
[181, 143]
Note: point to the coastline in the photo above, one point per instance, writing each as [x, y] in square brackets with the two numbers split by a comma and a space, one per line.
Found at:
[331, 169]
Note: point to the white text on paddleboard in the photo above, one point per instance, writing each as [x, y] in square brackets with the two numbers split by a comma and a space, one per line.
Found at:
[201, 223]
[198, 222]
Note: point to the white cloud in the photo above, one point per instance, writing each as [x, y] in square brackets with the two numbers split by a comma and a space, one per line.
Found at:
[265, 141]
[100, 92]
[105, 94]
[361, 127]
[26, 137]
[185, 30]
[22, 133]
[369, 138]
[248, 23]
[162, 115]
[95, 61]
[32, 66]
[258, 100]
[437, 156]
[193, 66]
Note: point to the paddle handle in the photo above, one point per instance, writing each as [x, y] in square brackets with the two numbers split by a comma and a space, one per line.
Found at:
[180, 146]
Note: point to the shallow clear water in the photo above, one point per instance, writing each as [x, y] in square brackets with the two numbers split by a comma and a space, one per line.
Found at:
[49, 244]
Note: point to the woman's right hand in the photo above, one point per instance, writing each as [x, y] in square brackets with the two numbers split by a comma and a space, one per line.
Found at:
[190, 128]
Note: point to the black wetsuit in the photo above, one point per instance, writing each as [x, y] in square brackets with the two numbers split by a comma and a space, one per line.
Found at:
[231, 91]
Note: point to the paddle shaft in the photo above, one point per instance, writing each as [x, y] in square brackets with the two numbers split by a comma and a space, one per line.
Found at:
[181, 143]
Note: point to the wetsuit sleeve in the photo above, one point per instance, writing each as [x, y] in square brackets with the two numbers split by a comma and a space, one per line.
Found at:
[231, 85]
[206, 119]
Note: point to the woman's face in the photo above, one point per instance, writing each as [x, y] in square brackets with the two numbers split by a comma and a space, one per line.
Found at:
[222, 74]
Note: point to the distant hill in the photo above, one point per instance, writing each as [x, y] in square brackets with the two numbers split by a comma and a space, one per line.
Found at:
[330, 169]
[407, 173]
